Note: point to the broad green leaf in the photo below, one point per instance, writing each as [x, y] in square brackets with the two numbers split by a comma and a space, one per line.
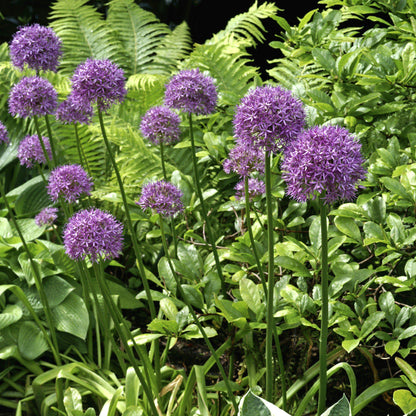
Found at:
[340, 408]
[132, 386]
[250, 294]
[375, 209]
[143, 339]
[163, 326]
[392, 346]
[387, 305]
[350, 344]
[30, 341]
[407, 333]
[397, 188]
[407, 369]
[193, 296]
[290, 263]
[370, 323]
[349, 227]
[166, 274]
[405, 400]
[251, 405]
[374, 233]
[169, 308]
[10, 315]
[72, 400]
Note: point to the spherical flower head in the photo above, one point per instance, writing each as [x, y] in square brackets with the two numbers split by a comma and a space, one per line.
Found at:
[244, 159]
[323, 160]
[4, 136]
[94, 234]
[69, 182]
[30, 151]
[46, 217]
[74, 111]
[192, 92]
[99, 81]
[32, 96]
[269, 116]
[36, 46]
[162, 197]
[256, 187]
[161, 125]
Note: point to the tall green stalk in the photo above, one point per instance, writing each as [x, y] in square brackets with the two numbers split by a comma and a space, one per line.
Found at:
[203, 209]
[323, 380]
[52, 162]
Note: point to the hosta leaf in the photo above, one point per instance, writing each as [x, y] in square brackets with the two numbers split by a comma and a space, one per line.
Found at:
[30, 341]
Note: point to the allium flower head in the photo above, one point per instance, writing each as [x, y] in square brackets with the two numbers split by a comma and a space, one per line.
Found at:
[94, 234]
[99, 81]
[4, 136]
[74, 111]
[192, 92]
[30, 151]
[323, 159]
[161, 196]
[256, 187]
[36, 46]
[244, 159]
[32, 96]
[68, 182]
[269, 116]
[47, 216]
[161, 125]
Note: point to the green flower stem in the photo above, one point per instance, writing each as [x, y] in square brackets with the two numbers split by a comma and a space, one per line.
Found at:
[281, 368]
[81, 154]
[121, 328]
[214, 354]
[203, 210]
[324, 310]
[51, 139]
[45, 153]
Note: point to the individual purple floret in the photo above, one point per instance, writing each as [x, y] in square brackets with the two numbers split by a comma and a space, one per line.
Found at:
[98, 81]
[256, 187]
[270, 117]
[30, 151]
[192, 92]
[36, 46]
[4, 136]
[74, 111]
[94, 234]
[162, 197]
[46, 217]
[69, 182]
[32, 96]
[161, 125]
[245, 159]
[323, 161]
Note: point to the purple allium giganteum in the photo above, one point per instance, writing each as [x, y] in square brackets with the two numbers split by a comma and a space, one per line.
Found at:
[47, 216]
[4, 136]
[161, 125]
[323, 160]
[94, 234]
[36, 46]
[74, 111]
[162, 197]
[69, 182]
[245, 159]
[98, 81]
[30, 151]
[32, 96]
[256, 187]
[270, 117]
[192, 92]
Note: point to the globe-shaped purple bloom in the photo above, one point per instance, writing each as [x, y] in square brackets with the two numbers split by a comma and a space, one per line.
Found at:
[32, 96]
[162, 197]
[74, 111]
[98, 81]
[69, 182]
[323, 160]
[256, 187]
[36, 46]
[94, 234]
[244, 159]
[30, 151]
[270, 117]
[46, 217]
[161, 125]
[4, 136]
[192, 92]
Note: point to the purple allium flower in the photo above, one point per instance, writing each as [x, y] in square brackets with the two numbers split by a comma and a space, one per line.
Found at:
[30, 151]
[94, 234]
[68, 182]
[47, 216]
[192, 92]
[99, 81]
[74, 111]
[269, 116]
[161, 125]
[4, 136]
[323, 160]
[161, 196]
[36, 46]
[32, 96]
[256, 187]
[245, 159]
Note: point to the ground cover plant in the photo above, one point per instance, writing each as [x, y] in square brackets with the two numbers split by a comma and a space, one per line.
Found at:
[179, 235]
